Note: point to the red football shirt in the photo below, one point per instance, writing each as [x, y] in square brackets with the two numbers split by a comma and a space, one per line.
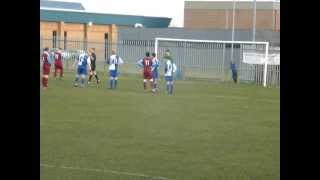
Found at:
[147, 64]
[45, 59]
[58, 58]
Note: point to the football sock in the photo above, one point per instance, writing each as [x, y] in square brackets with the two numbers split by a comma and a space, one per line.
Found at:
[171, 88]
[45, 82]
[115, 83]
[97, 78]
[82, 82]
[111, 83]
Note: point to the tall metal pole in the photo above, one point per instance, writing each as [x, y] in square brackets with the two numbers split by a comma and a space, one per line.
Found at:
[156, 47]
[232, 36]
[265, 66]
[254, 20]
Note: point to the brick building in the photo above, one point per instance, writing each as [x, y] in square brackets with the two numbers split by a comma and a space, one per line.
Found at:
[62, 21]
[218, 15]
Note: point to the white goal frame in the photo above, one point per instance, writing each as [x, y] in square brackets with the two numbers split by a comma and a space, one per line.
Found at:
[157, 39]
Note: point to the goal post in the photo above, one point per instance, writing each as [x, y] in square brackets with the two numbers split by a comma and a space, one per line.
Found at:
[213, 55]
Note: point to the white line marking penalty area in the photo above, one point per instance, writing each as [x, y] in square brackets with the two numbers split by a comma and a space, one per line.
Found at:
[105, 171]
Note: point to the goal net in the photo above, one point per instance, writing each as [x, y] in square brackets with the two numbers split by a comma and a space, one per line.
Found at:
[256, 67]
[211, 59]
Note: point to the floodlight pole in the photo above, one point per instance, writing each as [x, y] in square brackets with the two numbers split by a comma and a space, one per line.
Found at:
[232, 36]
[254, 20]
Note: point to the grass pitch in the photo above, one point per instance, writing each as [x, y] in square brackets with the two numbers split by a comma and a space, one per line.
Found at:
[204, 131]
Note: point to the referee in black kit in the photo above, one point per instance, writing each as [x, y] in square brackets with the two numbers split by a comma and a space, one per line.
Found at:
[93, 59]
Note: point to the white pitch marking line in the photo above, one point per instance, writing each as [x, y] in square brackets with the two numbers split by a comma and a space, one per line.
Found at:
[246, 98]
[46, 165]
[105, 171]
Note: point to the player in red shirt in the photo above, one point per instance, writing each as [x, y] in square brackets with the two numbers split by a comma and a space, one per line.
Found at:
[46, 65]
[58, 66]
[146, 63]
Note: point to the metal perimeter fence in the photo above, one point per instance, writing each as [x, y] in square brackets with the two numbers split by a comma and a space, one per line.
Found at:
[194, 61]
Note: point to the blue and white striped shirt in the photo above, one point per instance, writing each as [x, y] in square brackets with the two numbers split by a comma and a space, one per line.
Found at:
[114, 61]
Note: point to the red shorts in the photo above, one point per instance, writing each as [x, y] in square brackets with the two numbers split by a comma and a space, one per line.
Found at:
[58, 65]
[46, 70]
[147, 75]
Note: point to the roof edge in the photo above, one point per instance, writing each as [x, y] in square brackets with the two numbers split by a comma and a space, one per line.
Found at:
[98, 13]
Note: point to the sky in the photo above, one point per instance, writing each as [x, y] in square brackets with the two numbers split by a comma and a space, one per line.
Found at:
[159, 8]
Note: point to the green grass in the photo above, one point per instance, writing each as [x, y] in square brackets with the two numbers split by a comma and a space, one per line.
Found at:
[214, 131]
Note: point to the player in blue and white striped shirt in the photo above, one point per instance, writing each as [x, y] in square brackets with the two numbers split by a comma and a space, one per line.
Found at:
[169, 70]
[83, 65]
[155, 72]
[114, 61]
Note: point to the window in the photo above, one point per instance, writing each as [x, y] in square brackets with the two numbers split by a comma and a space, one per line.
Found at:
[54, 39]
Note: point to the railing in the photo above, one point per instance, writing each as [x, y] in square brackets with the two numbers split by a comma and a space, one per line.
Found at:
[193, 60]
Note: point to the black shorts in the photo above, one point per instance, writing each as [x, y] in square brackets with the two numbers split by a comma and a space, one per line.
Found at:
[93, 68]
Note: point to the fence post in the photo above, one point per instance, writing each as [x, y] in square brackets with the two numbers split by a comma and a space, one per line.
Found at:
[105, 49]
[85, 44]
[223, 60]
[67, 54]
[266, 66]
[184, 60]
